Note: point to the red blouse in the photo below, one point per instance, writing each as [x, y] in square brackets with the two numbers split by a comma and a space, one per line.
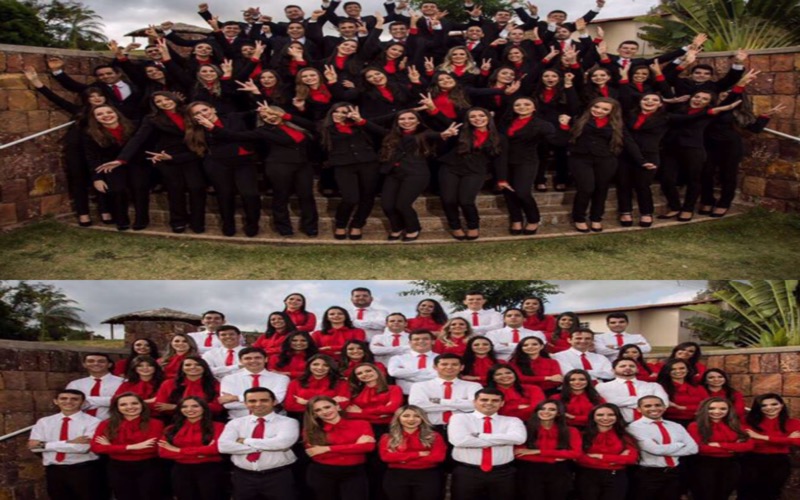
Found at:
[611, 447]
[144, 389]
[407, 454]
[738, 402]
[641, 373]
[192, 388]
[514, 402]
[295, 368]
[173, 366]
[721, 433]
[341, 438]
[316, 387]
[542, 367]
[305, 322]
[271, 345]
[190, 441]
[480, 368]
[579, 407]
[423, 323]
[559, 344]
[460, 347]
[547, 441]
[352, 364]
[332, 341]
[546, 325]
[128, 433]
[779, 442]
[120, 368]
[687, 395]
[376, 407]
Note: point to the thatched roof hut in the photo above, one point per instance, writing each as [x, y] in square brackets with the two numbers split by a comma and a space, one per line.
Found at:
[179, 28]
[160, 314]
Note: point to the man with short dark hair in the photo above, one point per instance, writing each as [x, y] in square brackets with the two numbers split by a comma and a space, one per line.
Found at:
[253, 374]
[446, 395]
[224, 360]
[370, 319]
[417, 365]
[206, 338]
[482, 320]
[609, 344]
[99, 387]
[626, 390]
[580, 357]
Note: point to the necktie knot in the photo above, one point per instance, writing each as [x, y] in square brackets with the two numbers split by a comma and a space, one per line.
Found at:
[261, 420]
[67, 419]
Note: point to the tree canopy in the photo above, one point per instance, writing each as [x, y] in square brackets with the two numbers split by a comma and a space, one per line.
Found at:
[68, 24]
[38, 311]
[499, 294]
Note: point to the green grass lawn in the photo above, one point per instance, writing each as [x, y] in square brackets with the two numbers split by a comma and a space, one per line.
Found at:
[758, 244]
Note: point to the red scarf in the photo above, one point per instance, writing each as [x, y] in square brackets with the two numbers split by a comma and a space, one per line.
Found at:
[386, 93]
[640, 119]
[445, 105]
[295, 66]
[343, 128]
[176, 118]
[390, 66]
[603, 90]
[518, 124]
[459, 70]
[601, 122]
[322, 94]
[548, 94]
[295, 134]
[694, 111]
[479, 137]
[340, 61]
[117, 132]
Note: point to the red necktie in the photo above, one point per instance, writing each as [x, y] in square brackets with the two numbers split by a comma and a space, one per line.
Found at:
[64, 436]
[396, 340]
[117, 92]
[94, 392]
[208, 339]
[258, 433]
[470, 45]
[665, 439]
[229, 358]
[515, 338]
[448, 394]
[486, 453]
[631, 388]
[423, 362]
[256, 382]
[475, 321]
[585, 362]
[619, 340]
[562, 45]
[625, 63]
[360, 315]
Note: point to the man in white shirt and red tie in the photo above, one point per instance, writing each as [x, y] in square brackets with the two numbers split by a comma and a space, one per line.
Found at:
[661, 443]
[72, 472]
[260, 445]
[483, 449]
[609, 344]
[446, 395]
[224, 360]
[625, 390]
[415, 365]
[206, 339]
[579, 356]
[364, 316]
[482, 320]
[393, 341]
[99, 387]
[505, 339]
[253, 374]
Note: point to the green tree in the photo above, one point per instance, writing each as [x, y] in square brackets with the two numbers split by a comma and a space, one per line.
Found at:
[75, 25]
[499, 294]
[713, 286]
[13, 324]
[38, 311]
[455, 8]
[21, 25]
[55, 313]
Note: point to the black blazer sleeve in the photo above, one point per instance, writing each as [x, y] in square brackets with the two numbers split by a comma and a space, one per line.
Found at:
[69, 83]
[59, 101]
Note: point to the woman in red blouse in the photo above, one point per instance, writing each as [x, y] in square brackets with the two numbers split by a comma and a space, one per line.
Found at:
[179, 347]
[766, 470]
[129, 438]
[194, 379]
[606, 453]
[534, 366]
[303, 320]
[337, 328]
[430, 316]
[717, 384]
[140, 347]
[292, 359]
[535, 318]
[144, 378]
[478, 358]
[566, 323]
[372, 398]
[320, 378]
[684, 396]
[338, 448]
[647, 372]
[519, 400]
[354, 353]
[279, 326]
[579, 397]
[720, 438]
[414, 453]
[690, 352]
[455, 335]
[543, 467]
[192, 443]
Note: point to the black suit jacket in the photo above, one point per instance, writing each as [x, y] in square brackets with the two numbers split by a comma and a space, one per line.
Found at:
[130, 107]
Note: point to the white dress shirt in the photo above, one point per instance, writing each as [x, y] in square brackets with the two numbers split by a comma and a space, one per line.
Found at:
[48, 430]
[238, 382]
[373, 323]
[488, 319]
[602, 341]
[108, 387]
[461, 400]
[384, 352]
[280, 434]
[465, 433]
[651, 448]
[404, 369]
[200, 339]
[617, 392]
[216, 360]
[571, 360]
[503, 340]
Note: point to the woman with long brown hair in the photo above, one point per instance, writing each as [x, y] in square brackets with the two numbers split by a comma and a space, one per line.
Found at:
[144, 377]
[194, 379]
[535, 367]
[685, 395]
[371, 397]
[179, 347]
[578, 396]
[320, 378]
[455, 335]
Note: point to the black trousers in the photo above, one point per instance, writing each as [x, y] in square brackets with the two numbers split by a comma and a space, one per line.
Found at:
[713, 478]
[331, 482]
[561, 163]
[207, 481]
[632, 178]
[298, 178]
[138, 480]
[723, 159]
[179, 180]
[656, 483]
[521, 177]
[235, 175]
[471, 483]
[402, 484]
[763, 476]
[592, 176]
[277, 484]
[358, 184]
[79, 175]
[85, 481]
[597, 484]
[459, 191]
[691, 161]
[126, 183]
[551, 481]
[400, 191]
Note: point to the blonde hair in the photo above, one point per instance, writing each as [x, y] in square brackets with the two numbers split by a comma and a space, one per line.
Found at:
[469, 67]
[426, 433]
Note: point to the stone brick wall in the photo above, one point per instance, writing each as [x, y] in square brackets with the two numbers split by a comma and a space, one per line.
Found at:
[158, 331]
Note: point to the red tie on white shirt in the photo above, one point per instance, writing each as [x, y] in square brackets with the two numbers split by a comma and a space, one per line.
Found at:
[360, 314]
[619, 340]
[95, 392]
[64, 436]
[229, 358]
[585, 362]
[665, 439]
[563, 44]
[117, 92]
[475, 321]
[423, 362]
[256, 381]
[258, 433]
[396, 340]
[208, 339]
[515, 338]
[625, 63]
[470, 45]
[486, 453]
[632, 392]
[448, 394]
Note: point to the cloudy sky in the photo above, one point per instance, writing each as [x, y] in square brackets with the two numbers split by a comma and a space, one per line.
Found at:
[247, 303]
[123, 17]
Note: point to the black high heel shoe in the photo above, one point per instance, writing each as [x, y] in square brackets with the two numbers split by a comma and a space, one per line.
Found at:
[625, 223]
[643, 223]
[530, 232]
[354, 237]
[392, 237]
[668, 216]
[407, 238]
[514, 232]
[705, 211]
[685, 219]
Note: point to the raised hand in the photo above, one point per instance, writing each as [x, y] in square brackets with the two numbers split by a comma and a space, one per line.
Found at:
[441, 14]
[167, 25]
[248, 86]
[655, 67]
[580, 25]
[317, 14]
[741, 56]
[413, 74]
[32, 76]
[699, 39]
[203, 7]
[226, 67]
[568, 79]
[157, 157]
[600, 33]
[429, 64]
[427, 101]
[330, 74]
[108, 166]
[727, 107]
[564, 119]
[354, 114]
[553, 53]
[259, 50]
[748, 78]
[775, 110]
[113, 46]
[204, 122]
[533, 9]
[451, 131]
[513, 87]
[486, 65]
[379, 20]
[498, 41]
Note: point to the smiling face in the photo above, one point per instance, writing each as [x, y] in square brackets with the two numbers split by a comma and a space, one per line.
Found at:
[458, 327]
[206, 112]
[628, 50]
[154, 73]
[229, 338]
[605, 418]
[505, 377]
[107, 75]
[617, 325]
[600, 77]
[336, 316]
[231, 30]
[446, 82]
[700, 100]
[254, 362]
[577, 382]
[565, 322]
[106, 116]
[396, 323]
[277, 322]
[398, 31]
[259, 404]
[631, 353]
[532, 346]
[295, 31]
[601, 109]
[294, 13]
[718, 410]
[771, 407]
[192, 369]
[420, 342]
[294, 302]
[354, 352]
[650, 103]
[361, 298]
[207, 74]
[506, 76]
[714, 380]
[68, 403]
[211, 320]
[515, 55]
[531, 306]
[164, 102]
[319, 368]
[141, 346]
[652, 408]
[299, 343]
[458, 57]
[410, 420]
[129, 407]
[550, 79]
[678, 372]
[701, 75]
[348, 29]
[548, 412]
[97, 366]
[407, 121]
[268, 79]
[191, 409]
[478, 119]
[376, 78]
[448, 369]
[513, 318]
[481, 347]
[474, 33]
[145, 370]
[326, 411]
[425, 308]
[366, 374]
[640, 75]
[347, 48]
[581, 341]
[179, 344]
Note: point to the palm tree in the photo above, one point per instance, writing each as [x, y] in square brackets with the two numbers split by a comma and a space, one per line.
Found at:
[83, 26]
[761, 313]
[54, 310]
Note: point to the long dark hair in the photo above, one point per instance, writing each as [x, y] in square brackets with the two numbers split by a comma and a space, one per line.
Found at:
[664, 378]
[158, 114]
[691, 362]
[271, 331]
[328, 125]
[313, 431]
[100, 134]
[756, 415]
[540, 312]
[522, 360]
[517, 385]
[576, 323]
[356, 386]
[614, 121]
[558, 89]
[590, 90]
[287, 353]
[344, 361]
[133, 354]
[726, 387]
[438, 315]
[206, 423]
[534, 424]
[302, 308]
[639, 361]
[326, 324]
[278, 93]
[207, 381]
[466, 136]
[391, 143]
[469, 356]
[115, 418]
[731, 420]
[333, 371]
[133, 376]
[591, 392]
[195, 138]
[458, 95]
[592, 430]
